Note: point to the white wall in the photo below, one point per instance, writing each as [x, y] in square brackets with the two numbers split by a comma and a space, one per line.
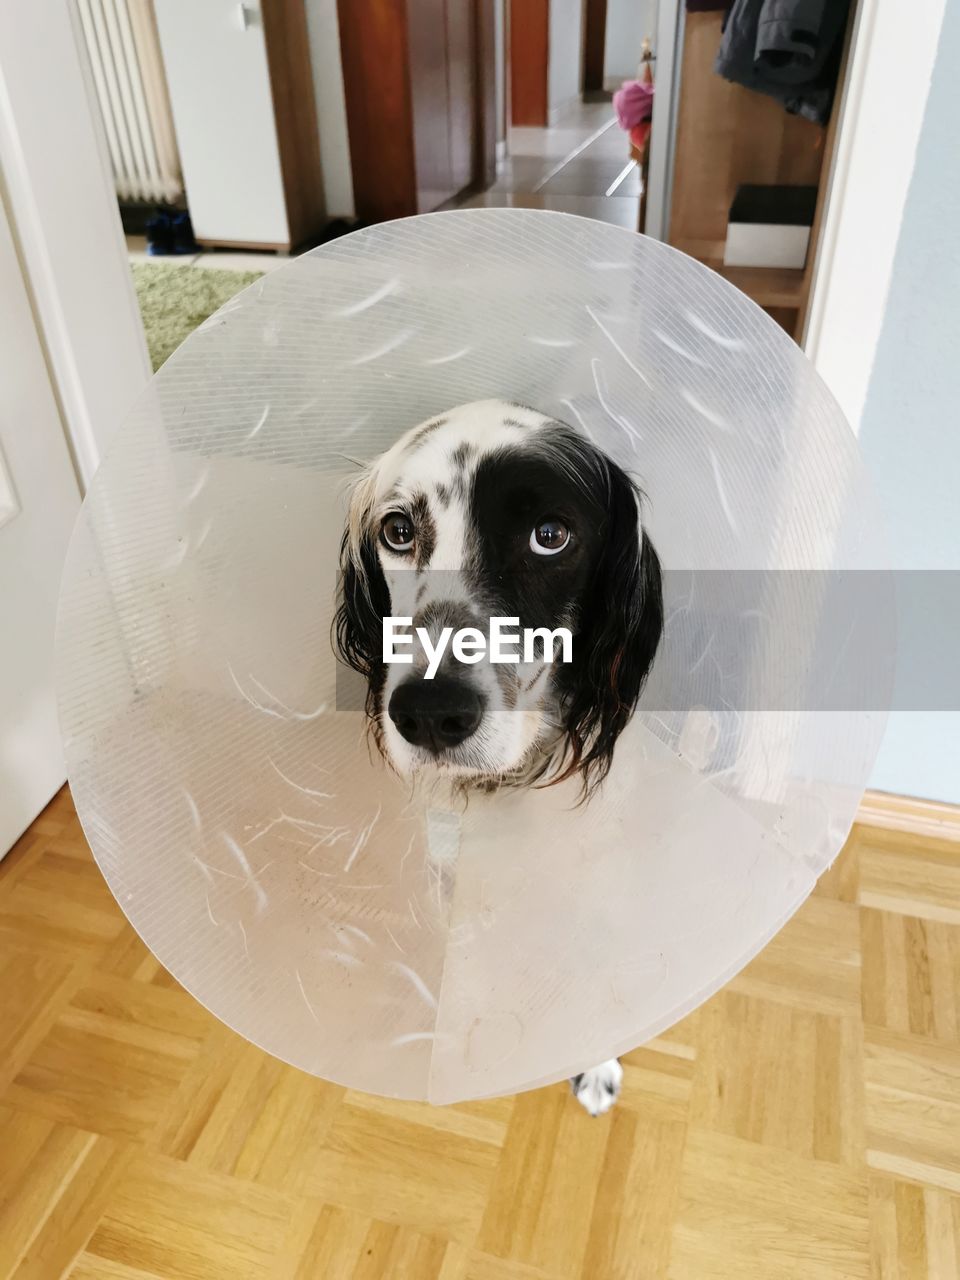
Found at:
[324, 32]
[57, 179]
[566, 51]
[876, 147]
[909, 432]
[628, 21]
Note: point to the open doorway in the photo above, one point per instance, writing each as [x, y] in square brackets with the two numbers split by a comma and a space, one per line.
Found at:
[614, 32]
[745, 128]
[567, 51]
[672, 117]
[563, 150]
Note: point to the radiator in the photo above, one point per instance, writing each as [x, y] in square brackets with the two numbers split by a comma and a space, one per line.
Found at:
[124, 53]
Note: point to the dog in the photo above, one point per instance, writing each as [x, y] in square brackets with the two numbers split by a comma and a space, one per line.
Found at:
[494, 510]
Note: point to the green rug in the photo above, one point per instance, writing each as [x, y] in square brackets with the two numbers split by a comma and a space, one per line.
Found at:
[175, 299]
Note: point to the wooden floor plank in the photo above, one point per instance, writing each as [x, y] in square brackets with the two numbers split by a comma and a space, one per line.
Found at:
[804, 1123]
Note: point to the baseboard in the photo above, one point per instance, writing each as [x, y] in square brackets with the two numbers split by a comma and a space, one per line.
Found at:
[904, 813]
[253, 246]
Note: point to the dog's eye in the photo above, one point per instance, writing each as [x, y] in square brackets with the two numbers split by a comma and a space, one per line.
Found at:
[549, 537]
[396, 532]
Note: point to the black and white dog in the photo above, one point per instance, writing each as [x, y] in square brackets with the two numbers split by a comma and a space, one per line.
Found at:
[494, 510]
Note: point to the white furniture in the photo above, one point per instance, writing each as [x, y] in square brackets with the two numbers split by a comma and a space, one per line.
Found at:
[243, 107]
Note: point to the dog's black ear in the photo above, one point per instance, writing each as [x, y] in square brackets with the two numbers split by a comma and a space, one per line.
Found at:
[620, 628]
[363, 602]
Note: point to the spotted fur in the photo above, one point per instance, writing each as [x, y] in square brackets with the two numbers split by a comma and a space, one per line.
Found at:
[468, 480]
[474, 483]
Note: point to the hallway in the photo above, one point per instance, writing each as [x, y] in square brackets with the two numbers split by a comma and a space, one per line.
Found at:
[580, 165]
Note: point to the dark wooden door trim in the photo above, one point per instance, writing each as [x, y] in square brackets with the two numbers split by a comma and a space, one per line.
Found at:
[529, 61]
[594, 43]
[485, 97]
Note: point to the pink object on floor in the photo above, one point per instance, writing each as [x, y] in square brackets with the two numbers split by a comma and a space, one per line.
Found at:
[633, 103]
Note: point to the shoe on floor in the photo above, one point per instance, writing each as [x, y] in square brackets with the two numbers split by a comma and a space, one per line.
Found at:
[170, 234]
[183, 241]
[160, 235]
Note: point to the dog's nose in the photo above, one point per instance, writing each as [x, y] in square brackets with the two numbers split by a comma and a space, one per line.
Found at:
[435, 713]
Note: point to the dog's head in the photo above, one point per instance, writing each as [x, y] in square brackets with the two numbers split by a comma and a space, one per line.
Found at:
[493, 510]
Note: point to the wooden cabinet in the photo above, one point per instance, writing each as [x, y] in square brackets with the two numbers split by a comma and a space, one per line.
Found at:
[419, 83]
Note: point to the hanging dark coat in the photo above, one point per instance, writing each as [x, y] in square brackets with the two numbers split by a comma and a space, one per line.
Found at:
[787, 49]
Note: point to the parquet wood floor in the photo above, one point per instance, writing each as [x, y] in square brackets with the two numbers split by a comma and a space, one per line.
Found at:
[804, 1123]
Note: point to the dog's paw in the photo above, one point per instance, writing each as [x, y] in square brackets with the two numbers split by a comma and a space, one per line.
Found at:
[598, 1089]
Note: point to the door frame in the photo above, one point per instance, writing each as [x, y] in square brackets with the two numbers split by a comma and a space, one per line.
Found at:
[66, 224]
[485, 90]
[663, 126]
[39, 484]
[867, 193]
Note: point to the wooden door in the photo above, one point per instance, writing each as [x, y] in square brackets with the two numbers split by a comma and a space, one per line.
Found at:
[529, 58]
[419, 80]
[442, 38]
[376, 81]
